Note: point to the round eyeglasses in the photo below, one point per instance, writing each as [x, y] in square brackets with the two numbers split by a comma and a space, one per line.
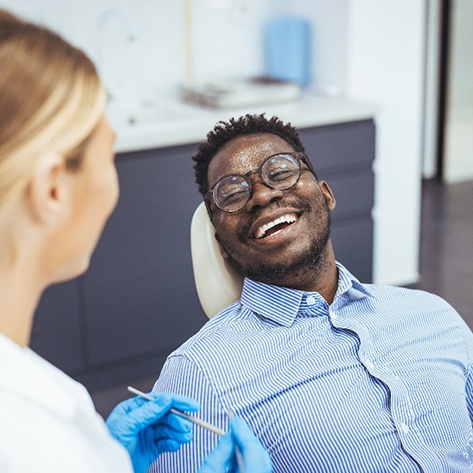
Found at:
[280, 171]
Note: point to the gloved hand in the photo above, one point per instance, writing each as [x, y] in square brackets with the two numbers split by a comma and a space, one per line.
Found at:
[146, 428]
[255, 457]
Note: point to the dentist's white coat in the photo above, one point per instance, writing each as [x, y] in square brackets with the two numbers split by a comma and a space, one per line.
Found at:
[48, 422]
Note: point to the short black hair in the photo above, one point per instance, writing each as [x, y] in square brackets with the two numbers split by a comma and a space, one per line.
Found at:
[224, 132]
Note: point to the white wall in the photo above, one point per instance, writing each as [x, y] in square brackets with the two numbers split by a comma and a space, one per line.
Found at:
[386, 64]
[155, 61]
[458, 157]
[224, 44]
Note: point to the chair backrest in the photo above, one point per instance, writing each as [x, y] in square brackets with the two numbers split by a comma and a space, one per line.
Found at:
[218, 284]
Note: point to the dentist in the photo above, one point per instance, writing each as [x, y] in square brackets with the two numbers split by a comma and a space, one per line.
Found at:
[58, 185]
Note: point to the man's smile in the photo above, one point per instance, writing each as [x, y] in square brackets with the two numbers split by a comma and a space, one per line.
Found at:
[275, 225]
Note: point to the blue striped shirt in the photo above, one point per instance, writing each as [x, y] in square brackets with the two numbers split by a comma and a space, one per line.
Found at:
[381, 380]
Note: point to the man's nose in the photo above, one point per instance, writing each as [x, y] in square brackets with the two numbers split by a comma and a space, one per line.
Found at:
[262, 195]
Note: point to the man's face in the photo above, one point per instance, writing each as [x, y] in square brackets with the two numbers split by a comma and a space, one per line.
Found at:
[297, 244]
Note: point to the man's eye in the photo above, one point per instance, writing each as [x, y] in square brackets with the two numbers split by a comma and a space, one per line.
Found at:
[232, 195]
[281, 174]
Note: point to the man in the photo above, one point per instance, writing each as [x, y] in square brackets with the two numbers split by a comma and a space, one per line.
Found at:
[332, 375]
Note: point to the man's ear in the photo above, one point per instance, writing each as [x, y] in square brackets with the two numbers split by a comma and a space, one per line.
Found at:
[47, 193]
[223, 251]
[328, 195]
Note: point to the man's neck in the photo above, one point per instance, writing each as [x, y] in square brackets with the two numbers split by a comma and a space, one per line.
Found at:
[324, 280]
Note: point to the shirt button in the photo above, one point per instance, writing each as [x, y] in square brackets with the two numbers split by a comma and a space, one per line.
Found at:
[369, 365]
[310, 300]
[404, 427]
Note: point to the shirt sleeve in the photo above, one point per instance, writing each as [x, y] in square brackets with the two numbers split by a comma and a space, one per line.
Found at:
[468, 335]
[181, 376]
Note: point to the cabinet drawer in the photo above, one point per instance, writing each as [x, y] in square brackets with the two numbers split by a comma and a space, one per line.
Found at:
[353, 192]
[337, 148]
[353, 245]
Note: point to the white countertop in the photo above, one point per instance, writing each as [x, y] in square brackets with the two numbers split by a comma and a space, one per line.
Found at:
[170, 123]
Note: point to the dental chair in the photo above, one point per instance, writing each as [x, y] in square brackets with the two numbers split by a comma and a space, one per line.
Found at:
[218, 284]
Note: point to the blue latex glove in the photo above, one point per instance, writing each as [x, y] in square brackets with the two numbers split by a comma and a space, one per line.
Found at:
[256, 458]
[146, 428]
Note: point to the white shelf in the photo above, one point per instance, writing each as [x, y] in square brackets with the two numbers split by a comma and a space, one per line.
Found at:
[179, 124]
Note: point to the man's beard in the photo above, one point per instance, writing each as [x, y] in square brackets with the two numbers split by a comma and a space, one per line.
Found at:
[312, 260]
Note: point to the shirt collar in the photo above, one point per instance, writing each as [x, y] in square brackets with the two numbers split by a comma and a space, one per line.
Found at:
[282, 304]
[347, 283]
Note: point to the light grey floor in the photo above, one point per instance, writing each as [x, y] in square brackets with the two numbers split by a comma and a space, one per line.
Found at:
[446, 263]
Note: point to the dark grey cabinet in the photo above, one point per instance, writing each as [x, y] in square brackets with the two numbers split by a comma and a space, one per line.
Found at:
[140, 297]
[57, 332]
[343, 156]
[137, 302]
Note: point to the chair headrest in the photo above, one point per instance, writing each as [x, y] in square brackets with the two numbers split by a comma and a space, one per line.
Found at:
[218, 283]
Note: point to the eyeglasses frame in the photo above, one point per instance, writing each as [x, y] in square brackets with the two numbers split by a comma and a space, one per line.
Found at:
[301, 159]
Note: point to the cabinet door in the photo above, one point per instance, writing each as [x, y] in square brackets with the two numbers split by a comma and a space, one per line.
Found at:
[57, 333]
[353, 192]
[139, 290]
[353, 245]
[339, 148]
[343, 156]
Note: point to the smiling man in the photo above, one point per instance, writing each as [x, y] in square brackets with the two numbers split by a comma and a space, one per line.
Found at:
[286, 243]
[333, 375]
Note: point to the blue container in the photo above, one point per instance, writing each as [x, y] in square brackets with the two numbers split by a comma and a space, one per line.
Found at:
[287, 49]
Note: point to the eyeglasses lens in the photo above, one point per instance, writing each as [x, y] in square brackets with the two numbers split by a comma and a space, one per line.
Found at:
[281, 171]
[232, 193]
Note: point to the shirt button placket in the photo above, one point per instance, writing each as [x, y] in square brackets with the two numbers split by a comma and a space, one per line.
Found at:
[404, 427]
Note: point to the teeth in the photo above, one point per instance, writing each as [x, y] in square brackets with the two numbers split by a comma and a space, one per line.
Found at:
[260, 232]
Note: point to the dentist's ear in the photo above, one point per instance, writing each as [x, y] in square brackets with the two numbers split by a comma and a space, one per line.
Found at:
[47, 194]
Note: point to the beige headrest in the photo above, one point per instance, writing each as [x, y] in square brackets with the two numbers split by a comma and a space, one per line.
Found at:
[218, 284]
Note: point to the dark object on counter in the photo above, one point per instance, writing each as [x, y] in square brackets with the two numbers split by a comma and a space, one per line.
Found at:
[241, 92]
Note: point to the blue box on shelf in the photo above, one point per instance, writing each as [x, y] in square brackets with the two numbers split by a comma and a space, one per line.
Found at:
[287, 49]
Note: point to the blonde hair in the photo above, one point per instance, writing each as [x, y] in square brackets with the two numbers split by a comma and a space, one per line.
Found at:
[51, 99]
